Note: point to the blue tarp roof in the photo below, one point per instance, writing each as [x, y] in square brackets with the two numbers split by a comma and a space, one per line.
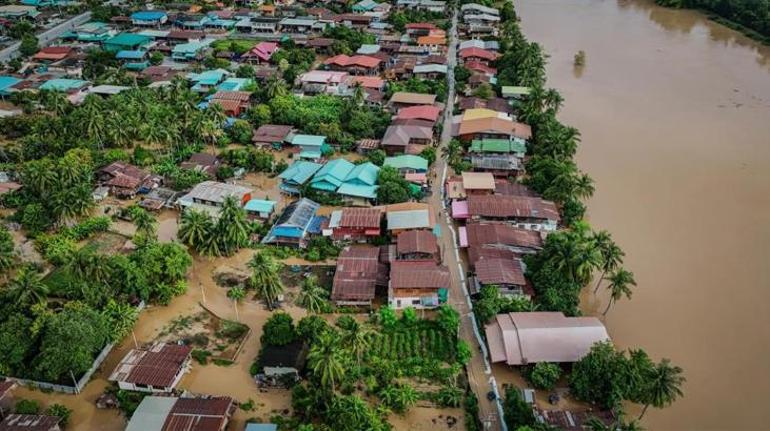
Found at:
[148, 15]
[130, 55]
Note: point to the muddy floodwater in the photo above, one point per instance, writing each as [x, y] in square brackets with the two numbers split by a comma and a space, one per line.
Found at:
[675, 116]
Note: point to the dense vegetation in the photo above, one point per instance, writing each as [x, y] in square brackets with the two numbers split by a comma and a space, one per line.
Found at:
[751, 17]
[384, 357]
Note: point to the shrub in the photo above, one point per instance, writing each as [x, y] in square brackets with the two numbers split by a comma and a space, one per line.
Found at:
[201, 356]
[27, 407]
[544, 375]
[278, 330]
[61, 411]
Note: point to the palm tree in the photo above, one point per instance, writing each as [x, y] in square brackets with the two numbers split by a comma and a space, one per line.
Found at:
[664, 386]
[236, 294]
[86, 264]
[575, 253]
[326, 360]
[196, 228]
[7, 253]
[275, 88]
[232, 226]
[28, 287]
[612, 255]
[312, 296]
[144, 222]
[552, 100]
[357, 337]
[265, 278]
[621, 281]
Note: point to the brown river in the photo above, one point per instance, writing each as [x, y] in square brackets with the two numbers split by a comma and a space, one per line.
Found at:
[675, 116]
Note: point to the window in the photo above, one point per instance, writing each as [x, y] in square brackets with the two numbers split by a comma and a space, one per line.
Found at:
[415, 302]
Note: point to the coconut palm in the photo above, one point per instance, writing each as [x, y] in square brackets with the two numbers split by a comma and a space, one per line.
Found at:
[612, 255]
[7, 252]
[357, 337]
[265, 278]
[27, 287]
[39, 175]
[275, 88]
[144, 222]
[664, 386]
[232, 226]
[326, 360]
[575, 253]
[196, 228]
[86, 264]
[312, 296]
[621, 281]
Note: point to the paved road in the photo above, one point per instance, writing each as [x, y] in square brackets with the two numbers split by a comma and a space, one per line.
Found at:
[478, 372]
[45, 38]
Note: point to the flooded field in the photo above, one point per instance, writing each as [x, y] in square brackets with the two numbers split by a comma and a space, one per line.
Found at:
[674, 114]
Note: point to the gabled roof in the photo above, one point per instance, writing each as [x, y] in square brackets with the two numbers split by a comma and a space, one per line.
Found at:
[407, 161]
[431, 40]
[418, 275]
[333, 172]
[53, 53]
[358, 190]
[308, 140]
[343, 60]
[367, 81]
[417, 241]
[413, 98]
[148, 15]
[500, 206]
[358, 273]
[298, 214]
[157, 366]
[128, 39]
[271, 133]
[360, 218]
[478, 53]
[420, 112]
[63, 84]
[502, 234]
[478, 181]
[300, 171]
[409, 219]
[324, 77]
[430, 68]
[542, 336]
[20, 422]
[214, 191]
[260, 205]
[495, 125]
[500, 272]
[365, 174]
[401, 135]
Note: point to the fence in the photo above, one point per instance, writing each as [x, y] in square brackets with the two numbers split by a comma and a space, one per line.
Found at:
[79, 384]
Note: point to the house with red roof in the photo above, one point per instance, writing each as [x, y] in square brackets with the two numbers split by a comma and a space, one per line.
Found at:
[367, 82]
[480, 67]
[417, 284]
[53, 53]
[261, 53]
[354, 65]
[419, 112]
[162, 413]
[416, 29]
[482, 56]
[355, 224]
[158, 368]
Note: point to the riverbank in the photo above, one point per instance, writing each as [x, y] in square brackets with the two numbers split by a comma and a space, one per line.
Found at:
[720, 19]
[673, 116]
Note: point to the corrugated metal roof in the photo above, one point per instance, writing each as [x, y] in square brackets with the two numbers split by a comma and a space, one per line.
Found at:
[360, 218]
[416, 241]
[407, 161]
[499, 206]
[156, 367]
[418, 275]
[358, 273]
[500, 272]
[413, 98]
[413, 219]
[300, 171]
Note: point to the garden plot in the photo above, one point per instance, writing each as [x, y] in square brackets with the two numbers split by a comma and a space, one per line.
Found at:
[210, 336]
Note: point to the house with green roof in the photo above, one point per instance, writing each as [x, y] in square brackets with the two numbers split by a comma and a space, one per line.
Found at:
[91, 32]
[331, 176]
[407, 163]
[514, 92]
[65, 85]
[260, 208]
[127, 42]
[515, 146]
[311, 146]
[361, 183]
[206, 80]
[189, 51]
[296, 175]
[134, 60]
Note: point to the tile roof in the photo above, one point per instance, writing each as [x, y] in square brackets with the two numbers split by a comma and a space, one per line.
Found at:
[512, 206]
[417, 241]
[240, 96]
[478, 53]
[53, 53]
[367, 81]
[401, 135]
[343, 60]
[418, 275]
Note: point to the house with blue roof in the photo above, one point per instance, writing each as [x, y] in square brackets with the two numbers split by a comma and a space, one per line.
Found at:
[234, 84]
[6, 84]
[44, 3]
[213, 21]
[149, 18]
[370, 6]
[261, 427]
[134, 60]
[127, 42]
[331, 176]
[407, 163]
[312, 146]
[205, 81]
[292, 227]
[260, 208]
[296, 175]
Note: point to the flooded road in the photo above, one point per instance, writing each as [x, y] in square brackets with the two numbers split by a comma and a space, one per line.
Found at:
[675, 116]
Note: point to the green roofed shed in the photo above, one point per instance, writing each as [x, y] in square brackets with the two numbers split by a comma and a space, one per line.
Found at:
[513, 92]
[516, 146]
[407, 162]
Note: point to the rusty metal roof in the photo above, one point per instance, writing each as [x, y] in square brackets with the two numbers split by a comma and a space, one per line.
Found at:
[512, 206]
[422, 274]
[500, 271]
[361, 218]
[416, 241]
